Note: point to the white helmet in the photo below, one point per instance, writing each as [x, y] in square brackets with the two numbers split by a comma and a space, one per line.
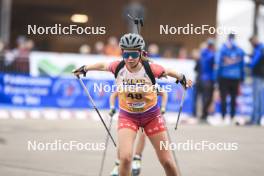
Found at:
[132, 41]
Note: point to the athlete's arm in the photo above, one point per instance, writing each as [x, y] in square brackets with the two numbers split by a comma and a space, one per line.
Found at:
[179, 76]
[112, 99]
[164, 100]
[101, 66]
[173, 73]
[160, 71]
[112, 103]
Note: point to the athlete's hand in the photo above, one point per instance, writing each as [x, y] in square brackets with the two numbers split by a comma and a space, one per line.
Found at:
[80, 71]
[112, 112]
[184, 82]
[189, 83]
[163, 111]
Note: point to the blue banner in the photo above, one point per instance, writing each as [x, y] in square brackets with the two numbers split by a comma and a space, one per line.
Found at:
[43, 92]
[40, 92]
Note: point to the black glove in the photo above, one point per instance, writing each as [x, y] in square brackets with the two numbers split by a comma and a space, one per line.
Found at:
[112, 112]
[80, 71]
[183, 81]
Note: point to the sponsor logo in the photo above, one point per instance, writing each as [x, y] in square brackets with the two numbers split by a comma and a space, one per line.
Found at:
[66, 91]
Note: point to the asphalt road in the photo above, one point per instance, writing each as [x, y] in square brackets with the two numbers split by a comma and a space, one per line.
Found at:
[17, 160]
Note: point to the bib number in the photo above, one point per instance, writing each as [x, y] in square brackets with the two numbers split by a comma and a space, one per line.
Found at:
[135, 96]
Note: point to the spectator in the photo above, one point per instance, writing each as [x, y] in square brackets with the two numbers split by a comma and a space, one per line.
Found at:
[112, 48]
[99, 47]
[230, 72]
[1, 46]
[24, 46]
[85, 49]
[2, 55]
[203, 45]
[30, 45]
[195, 54]
[206, 64]
[197, 86]
[182, 53]
[168, 53]
[153, 51]
[18, 59]
[257, 66]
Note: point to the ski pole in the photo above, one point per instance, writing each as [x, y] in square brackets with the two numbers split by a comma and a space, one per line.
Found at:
[137, 21]
[106, 145]
[173, 152]
[180, 110]
[97, 111]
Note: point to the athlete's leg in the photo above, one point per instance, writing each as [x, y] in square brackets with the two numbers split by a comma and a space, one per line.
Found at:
[136, 164]
[140, 143]
[115, 170]
[126, 138]
[127, 131]
[156, 132]
[164, 155]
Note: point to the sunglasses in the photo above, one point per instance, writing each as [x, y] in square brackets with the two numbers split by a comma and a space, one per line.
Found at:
[133, 55]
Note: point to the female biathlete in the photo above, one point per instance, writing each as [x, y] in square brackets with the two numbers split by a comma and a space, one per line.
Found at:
[136, 162]
[138, 105]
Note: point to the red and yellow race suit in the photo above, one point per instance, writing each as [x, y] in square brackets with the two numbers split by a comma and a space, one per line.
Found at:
[138, 99]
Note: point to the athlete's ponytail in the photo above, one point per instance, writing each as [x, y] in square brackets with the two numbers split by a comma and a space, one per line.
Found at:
[144, 56]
